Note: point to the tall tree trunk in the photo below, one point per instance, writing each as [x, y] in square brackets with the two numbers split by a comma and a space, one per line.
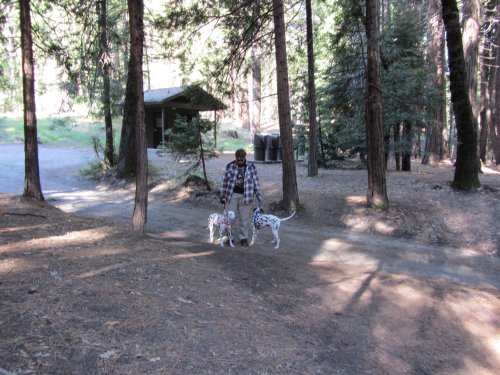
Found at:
[485, 112]
[470, 40]
[434, 138]
[127, 155]
[485, 62]
[32, 186]
[290, 190]
[136, 19]
[445, 150]
[466, 170]
[406, 154]
[256, 90]
[105, 60]
[312, 165]
[235, 90]
[495, 124]
[386, 14]
[377, 190]
[452, 144]
[321, 146]
[397, 145]
[433, 142]
[245, 105]
[418, 142]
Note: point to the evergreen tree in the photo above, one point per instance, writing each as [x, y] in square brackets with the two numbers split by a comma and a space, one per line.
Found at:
[495, 93]
[290, 190]
[105, 63]
[434, 142]
[312, 164]
[486, 72]
[136, 22]
[377, 190]
[188, 139]
[466, 171]
[32, 186]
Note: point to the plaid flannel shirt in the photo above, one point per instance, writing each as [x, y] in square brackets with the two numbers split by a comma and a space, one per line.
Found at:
[251, 184]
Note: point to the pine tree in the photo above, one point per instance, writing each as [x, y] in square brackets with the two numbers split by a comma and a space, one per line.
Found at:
[32, 186]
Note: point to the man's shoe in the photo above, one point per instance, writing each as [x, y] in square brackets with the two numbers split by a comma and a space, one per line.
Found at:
[244, 242]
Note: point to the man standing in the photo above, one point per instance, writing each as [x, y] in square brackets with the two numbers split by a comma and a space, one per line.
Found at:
[239, 186]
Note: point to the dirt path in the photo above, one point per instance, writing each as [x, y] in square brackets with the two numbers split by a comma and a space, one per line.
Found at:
[169, 214]
[333, 301]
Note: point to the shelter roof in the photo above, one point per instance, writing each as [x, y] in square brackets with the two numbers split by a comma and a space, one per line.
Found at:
[191, 97]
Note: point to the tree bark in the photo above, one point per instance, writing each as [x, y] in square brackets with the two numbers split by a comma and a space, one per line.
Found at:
[290, 191]
[244, 95]
[256, 90]
[485, 115]
[466, 170]
[127, 155]
[105, 61]
[136, 19]
[470, 40]
[434, 140]
[235, 89]
[32, 186]
[406, 154]
[397, 142]
[377, 190]
[312, 165]
[484, 68]
[386, 18]
[495, 93]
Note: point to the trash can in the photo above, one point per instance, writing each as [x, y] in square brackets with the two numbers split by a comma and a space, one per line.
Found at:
[280, 149]
[258, 147]
[271, 148]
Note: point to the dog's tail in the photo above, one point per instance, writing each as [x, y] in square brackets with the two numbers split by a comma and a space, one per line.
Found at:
[289, 217]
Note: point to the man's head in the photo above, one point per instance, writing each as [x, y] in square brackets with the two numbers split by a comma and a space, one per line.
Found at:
[240, 156]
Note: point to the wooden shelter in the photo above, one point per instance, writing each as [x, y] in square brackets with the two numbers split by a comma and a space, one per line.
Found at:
[163, 106]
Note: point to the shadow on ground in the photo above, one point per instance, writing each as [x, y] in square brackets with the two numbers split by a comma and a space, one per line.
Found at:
[82, 296]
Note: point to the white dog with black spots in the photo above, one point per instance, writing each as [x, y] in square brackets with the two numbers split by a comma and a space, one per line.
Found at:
[223, 222]
[259, 221]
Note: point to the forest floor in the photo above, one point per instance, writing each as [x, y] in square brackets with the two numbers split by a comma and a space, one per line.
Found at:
[411, 290]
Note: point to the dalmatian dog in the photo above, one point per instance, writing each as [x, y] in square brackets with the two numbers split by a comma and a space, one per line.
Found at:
[223, 221]
[259, 221]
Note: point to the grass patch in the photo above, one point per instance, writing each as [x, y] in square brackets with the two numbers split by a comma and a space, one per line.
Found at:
[98, 171]
[94, 170]
[226, 142]
[232, 144]
[77, 131]
[67, 131]
[11, 130]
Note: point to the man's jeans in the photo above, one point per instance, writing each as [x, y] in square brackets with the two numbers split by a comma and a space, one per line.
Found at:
[242, 211]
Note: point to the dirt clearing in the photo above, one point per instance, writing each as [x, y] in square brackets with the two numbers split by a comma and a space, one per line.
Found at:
[351, 292]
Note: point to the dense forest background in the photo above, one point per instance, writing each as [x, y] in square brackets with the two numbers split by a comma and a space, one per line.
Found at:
[226, 46]
[413, 48]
